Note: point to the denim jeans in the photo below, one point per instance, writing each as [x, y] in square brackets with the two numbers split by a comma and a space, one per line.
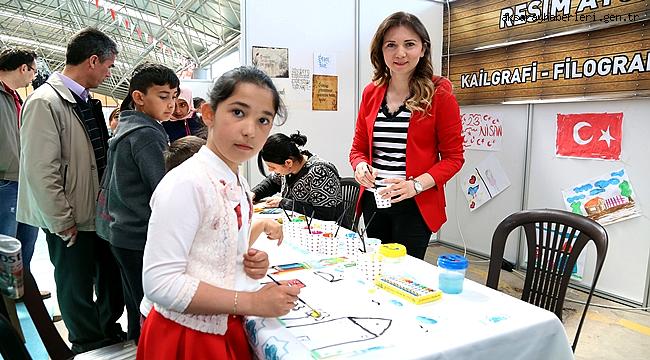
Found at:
[26, 234]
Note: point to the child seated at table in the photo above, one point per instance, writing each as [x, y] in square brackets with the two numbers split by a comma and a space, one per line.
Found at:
[306, 183]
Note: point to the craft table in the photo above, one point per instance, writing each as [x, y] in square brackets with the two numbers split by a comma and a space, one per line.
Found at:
[364, 322]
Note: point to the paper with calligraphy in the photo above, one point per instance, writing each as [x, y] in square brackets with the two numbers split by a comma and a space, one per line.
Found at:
[481, 131]
[324, 64]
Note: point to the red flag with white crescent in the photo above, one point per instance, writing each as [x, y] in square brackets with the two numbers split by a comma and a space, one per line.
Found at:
[591, 136]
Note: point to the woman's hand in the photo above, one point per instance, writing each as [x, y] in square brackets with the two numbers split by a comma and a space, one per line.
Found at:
[274, 300]
[398, 190]
[273, 201]
[365, 175]
[256, 263]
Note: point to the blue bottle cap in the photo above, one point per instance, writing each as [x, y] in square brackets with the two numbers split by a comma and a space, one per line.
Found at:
[453, 262]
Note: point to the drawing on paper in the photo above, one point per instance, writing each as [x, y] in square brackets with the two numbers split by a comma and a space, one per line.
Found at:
[328, 337]
[273, 61]
[607, 199]
[329, 277]
[481, 131]
[484, 182]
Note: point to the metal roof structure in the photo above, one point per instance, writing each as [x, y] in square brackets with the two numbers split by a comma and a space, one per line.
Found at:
[182, 34]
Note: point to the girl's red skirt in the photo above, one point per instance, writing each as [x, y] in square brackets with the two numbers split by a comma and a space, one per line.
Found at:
[162, 338]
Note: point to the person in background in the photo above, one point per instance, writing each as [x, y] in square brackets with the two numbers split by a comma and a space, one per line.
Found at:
[306, 183]
[181, 150]
[113, 120]
[135, 167]
[407, 137]
[185, 119]
[199, 270]
[198, 102]
[64, 140]
[17, 70]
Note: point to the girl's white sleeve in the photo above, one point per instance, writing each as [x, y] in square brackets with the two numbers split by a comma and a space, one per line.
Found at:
[175, 219]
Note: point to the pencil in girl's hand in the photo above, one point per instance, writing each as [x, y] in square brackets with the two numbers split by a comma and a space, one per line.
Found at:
[314, 313]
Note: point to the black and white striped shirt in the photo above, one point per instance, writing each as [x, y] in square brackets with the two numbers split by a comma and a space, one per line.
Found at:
[389, 142]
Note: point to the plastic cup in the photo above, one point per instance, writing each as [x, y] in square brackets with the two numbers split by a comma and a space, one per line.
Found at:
[11, 267]
[326, 226]
[370, 266]
[451, 273]
[314, 240]
[351, 244]
[329, 245]
[293, 229]
[373, 245]
[381, 202]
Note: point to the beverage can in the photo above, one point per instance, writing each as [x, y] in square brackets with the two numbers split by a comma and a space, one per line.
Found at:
[11, 267]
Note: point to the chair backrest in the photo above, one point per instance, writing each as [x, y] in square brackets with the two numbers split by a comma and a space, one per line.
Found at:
[11, 346]
[54, 344]
[555, 239]
[350, 193]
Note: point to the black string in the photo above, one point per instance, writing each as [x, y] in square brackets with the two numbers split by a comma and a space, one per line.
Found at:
[310, 220]
[339, 221]
[365, 229]
[285, 211]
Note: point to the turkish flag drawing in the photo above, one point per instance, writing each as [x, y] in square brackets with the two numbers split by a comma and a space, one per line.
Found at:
[591, 136]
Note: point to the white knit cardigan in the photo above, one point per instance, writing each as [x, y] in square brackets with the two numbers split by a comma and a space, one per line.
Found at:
[213, 253]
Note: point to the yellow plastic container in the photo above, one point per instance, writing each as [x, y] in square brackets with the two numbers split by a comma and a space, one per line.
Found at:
[392, 250]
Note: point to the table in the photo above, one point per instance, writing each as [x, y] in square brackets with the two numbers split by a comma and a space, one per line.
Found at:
[361, 321]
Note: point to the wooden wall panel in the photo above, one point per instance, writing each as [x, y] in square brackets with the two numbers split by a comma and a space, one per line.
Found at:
[477, 24]
[548, 56]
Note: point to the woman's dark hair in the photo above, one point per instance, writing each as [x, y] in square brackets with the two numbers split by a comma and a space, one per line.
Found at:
[225, 86]
[147, 75]
[421, 83]
[280, 148]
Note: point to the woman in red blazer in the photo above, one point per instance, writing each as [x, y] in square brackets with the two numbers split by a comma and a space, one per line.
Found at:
[407, 142]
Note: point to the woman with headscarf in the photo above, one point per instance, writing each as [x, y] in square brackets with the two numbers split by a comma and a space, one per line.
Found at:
[185, 119]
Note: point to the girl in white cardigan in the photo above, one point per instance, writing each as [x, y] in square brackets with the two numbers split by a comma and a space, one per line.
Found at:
[199, 271]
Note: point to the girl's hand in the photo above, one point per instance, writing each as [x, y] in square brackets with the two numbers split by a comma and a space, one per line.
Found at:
[365, 175]
[273, 230]
[274, 300]
[273, 201]
[256, 263]
[398, 190]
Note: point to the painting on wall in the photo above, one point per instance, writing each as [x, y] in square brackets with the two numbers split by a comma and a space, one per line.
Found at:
[589, 136]
[325, 93]
[607, 199]
[484, 182]
[273, 61]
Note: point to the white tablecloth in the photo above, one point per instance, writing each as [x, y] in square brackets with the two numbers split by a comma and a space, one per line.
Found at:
[479, 323]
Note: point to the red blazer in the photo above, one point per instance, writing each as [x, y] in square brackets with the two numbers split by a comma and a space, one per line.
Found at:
[434, 144]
